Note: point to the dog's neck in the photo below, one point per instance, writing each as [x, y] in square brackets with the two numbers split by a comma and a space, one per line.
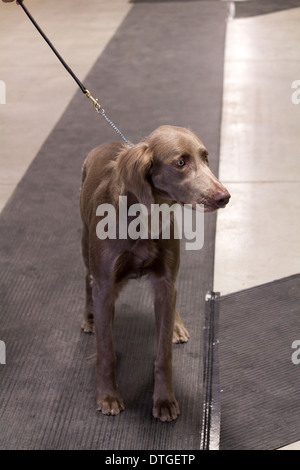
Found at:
[161, 197]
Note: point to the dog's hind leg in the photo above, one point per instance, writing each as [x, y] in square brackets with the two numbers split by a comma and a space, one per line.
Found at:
[87, 324]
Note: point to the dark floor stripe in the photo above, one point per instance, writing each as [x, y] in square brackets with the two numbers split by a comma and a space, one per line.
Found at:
[163, 66]
[173, 1]
[263, 7]
[243, 8]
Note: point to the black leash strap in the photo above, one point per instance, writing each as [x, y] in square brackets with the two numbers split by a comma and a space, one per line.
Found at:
[84, 90]
[81, 86]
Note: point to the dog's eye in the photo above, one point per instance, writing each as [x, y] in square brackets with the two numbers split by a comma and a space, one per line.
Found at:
[205, 157]
[181, 163]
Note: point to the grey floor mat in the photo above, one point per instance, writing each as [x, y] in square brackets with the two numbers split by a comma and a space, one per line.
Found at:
[260, 398]
[166, 70]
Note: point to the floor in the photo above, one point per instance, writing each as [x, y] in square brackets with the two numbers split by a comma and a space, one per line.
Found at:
[38, 89]
[257, 235]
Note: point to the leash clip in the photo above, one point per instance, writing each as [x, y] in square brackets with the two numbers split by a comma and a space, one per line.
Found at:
[96, 104]
[100, 110]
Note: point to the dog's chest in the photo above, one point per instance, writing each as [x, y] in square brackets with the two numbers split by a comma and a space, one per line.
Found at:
[136, 261]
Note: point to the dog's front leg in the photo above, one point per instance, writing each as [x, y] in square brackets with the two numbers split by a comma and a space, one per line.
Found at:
[109, 400]
[165, 406]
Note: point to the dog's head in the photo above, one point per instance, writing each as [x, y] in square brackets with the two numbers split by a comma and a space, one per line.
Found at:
[171, 163]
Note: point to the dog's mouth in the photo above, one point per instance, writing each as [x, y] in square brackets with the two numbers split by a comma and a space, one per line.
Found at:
[204, 207]
[207, 205]
[214, 203]
[210, 208]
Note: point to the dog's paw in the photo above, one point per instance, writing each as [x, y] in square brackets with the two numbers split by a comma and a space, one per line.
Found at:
[110, 405]
[165, 410]
[180, 334]
[87, 325]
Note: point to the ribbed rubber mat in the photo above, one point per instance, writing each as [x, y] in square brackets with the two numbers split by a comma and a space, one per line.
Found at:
[260, 382]
[166, 70]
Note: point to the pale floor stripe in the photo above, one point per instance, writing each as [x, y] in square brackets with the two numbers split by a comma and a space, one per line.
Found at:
[258, 233]
[294, 446]
[38, 89]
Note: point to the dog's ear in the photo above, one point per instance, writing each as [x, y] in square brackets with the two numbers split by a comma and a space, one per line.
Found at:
[133, 166]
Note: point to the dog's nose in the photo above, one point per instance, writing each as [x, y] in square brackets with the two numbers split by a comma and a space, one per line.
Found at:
[221, 198]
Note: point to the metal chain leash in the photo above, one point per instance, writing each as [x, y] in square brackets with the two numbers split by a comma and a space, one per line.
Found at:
[114, 127]
[100, 110]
